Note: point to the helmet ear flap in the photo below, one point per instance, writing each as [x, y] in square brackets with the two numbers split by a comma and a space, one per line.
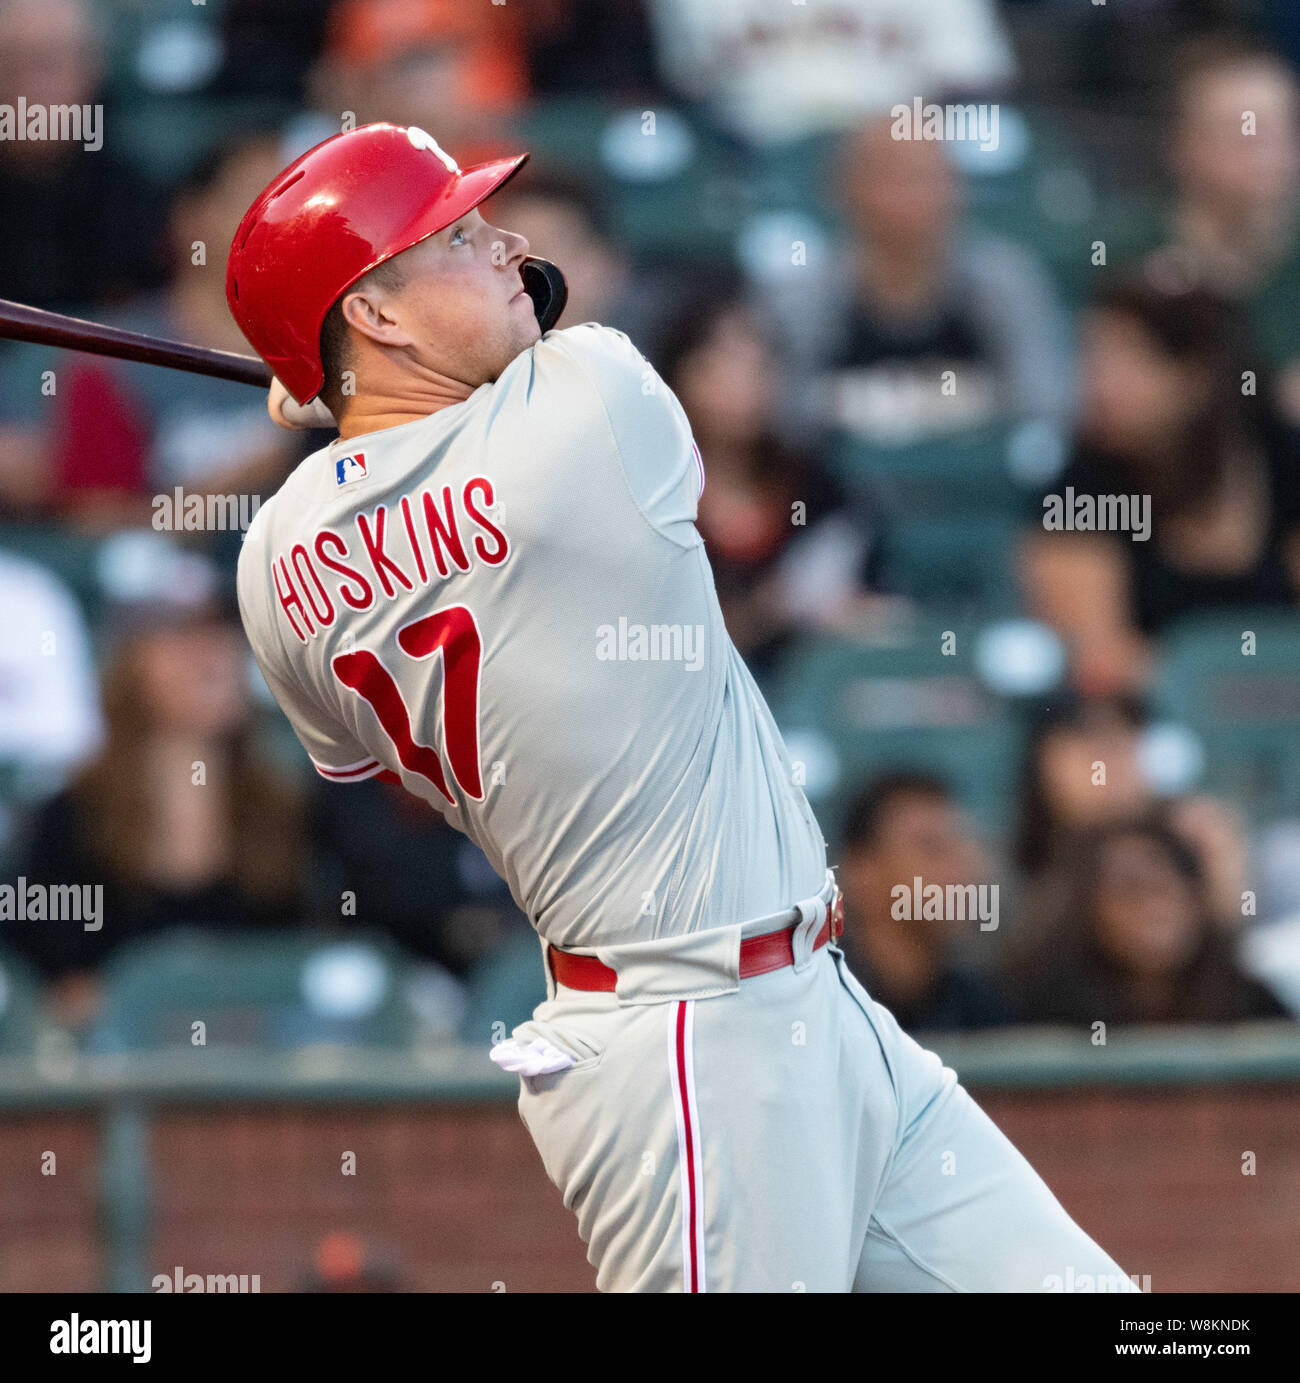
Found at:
[545, 285]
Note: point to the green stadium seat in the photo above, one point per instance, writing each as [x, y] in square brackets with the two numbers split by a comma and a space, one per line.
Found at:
[503, 988]
[11, 802]
[564, 132]
[1243, 707]
[851, 710]
[286, 990]
[71, 556]
[798, 175]
[22, 1020]
[954, 564]
[961, 474]
[164, 128]
[691, 209]
[1057, 200]
[166, 136]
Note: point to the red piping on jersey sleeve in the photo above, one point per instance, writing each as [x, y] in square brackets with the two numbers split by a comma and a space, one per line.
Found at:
[353, 773]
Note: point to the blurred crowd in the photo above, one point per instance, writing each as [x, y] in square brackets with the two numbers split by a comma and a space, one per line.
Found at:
[896, 354]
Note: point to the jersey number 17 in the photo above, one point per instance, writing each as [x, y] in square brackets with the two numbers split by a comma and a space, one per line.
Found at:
[453, 633]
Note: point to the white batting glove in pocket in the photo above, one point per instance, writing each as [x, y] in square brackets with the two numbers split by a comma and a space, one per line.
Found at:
[537, 1057]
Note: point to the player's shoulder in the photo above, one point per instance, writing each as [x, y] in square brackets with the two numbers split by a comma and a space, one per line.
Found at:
[602, 353]
[295, 497]
[336, 479]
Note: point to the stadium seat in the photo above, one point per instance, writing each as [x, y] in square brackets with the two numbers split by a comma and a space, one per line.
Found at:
[565, 131]
[799, 174]
[961, 474]
[68, 554]
[503, 988]
[1244, 707]
[688, 203]
[850, 710]
[11, 801]
[953, 564]
[21, 1019]
[287, 990]
[1056, 195]
[167, 136]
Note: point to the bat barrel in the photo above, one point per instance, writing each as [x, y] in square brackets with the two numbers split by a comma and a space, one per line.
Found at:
[21, 323]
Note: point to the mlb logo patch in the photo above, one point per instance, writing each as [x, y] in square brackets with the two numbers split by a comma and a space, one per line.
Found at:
[350, 468]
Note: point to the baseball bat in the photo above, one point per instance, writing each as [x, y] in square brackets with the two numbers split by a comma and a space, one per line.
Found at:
[20, 323]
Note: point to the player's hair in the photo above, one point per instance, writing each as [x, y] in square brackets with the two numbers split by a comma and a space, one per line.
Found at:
[335, 338]
[869, 808]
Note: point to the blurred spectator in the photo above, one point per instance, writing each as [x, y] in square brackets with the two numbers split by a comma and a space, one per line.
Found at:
[787, 553]
[49, 701]
[1166, 421]
[1234, 151]
[1122, 930]
[905, 827]
[24, 478]
[1270, 947]
[117, 432]
[1215, 832]
[562, 219]
[269, 47]
[410, 873]
[914, 293]
[602, 46]
[1088, 763]
[77, 225]
[1082, 767]
[179, 819]
[773, 73]
[1283, 23]
[453, 69]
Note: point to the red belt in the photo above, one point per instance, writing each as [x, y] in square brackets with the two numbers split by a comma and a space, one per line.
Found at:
[758, 955]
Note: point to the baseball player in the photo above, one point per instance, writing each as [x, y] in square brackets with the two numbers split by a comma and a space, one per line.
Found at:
[491, 588]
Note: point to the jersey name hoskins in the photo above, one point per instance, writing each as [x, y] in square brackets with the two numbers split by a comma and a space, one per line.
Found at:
[425, 536]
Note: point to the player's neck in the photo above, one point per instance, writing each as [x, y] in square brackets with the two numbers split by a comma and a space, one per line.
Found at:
[375, 413]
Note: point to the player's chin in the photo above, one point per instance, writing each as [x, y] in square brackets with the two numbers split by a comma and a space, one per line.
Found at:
[522, 337]
[524, 324]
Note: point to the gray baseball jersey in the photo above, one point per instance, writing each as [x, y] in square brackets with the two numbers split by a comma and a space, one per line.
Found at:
[508, 605]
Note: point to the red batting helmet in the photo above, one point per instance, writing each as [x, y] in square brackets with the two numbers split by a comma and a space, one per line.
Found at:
[345, 206]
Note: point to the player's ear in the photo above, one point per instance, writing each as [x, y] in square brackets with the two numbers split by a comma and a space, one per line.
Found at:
[367, 309]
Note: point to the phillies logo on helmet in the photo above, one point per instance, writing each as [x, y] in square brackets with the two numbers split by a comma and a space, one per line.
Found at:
[348, 468]
[422, 139]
